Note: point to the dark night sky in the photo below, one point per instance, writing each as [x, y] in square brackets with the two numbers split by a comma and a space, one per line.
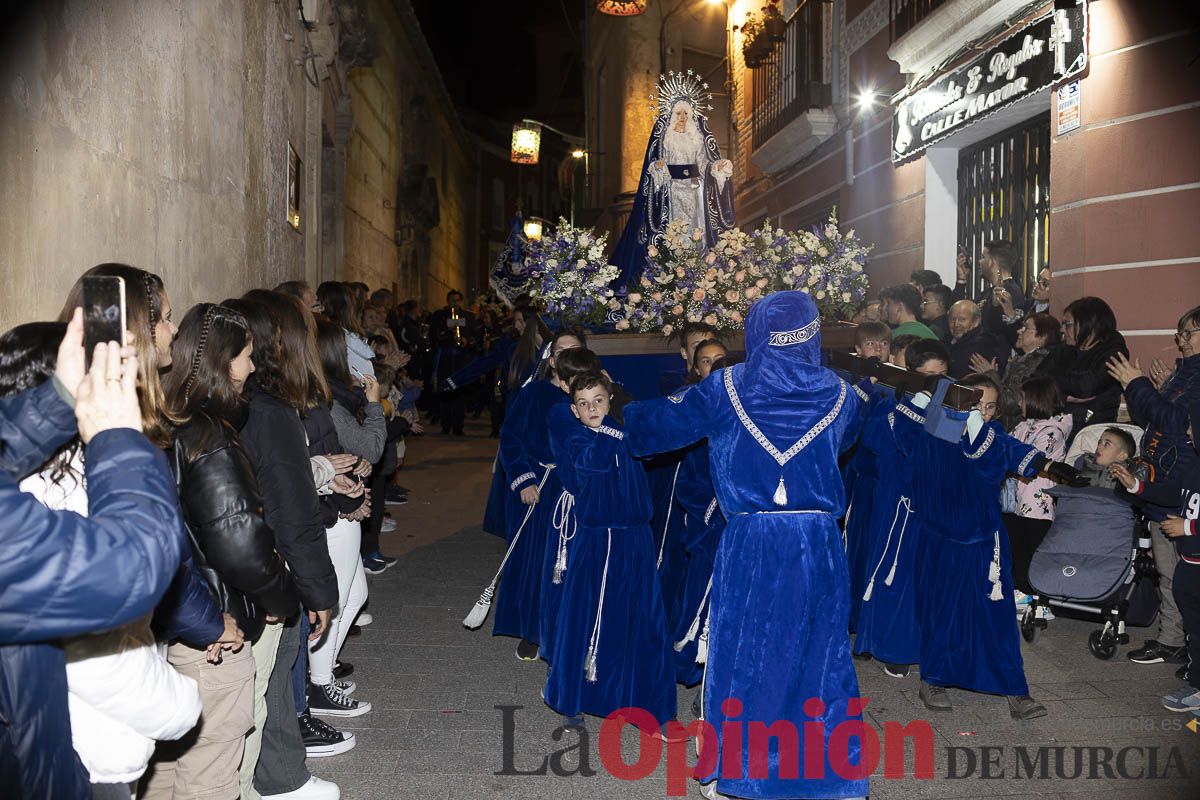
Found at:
[486, 50]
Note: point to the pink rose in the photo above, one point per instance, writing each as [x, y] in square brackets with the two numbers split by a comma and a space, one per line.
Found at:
[652, 251]
[645, 282]
[753, 292]
[711, 319]
[711, 258]
[668, 329]
[635, 297]
[698, 295]
[622, 325]
[711, 274]
[697, 235]
[677, 310]
[761, 283]
[732, 295]
[679, 272]
[740, 276]
[736, 316]
[657, 297]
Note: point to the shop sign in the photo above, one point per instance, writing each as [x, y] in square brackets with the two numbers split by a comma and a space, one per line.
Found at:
[1038, 56]
[1068, 107]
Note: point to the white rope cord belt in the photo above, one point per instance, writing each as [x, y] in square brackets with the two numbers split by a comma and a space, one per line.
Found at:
[589, 670]
[667, 525]
[563, 520]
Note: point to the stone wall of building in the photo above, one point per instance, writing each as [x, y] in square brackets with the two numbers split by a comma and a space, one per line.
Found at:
[155, 134]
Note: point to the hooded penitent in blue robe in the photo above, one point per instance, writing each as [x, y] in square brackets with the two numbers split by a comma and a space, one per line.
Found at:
[890, 530]
[703, 523]
[612, 648]
[527, 460]
[495, 513]
[969, 633]
[563, 525]
[779, 605]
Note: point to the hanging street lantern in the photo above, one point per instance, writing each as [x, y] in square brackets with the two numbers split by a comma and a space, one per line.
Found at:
[526, 142]
[533, 228]
[621, 8]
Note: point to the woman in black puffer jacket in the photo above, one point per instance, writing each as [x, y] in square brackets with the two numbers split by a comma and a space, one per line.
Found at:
[233, 546]
[1090, 336]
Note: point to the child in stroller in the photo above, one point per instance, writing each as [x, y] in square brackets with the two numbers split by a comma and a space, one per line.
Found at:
[1095, 558]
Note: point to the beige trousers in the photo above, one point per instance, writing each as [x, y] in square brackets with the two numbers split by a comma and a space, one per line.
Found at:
[204, 764]
[265, 650]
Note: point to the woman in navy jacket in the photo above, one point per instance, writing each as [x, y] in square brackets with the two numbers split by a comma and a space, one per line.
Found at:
[56, 582]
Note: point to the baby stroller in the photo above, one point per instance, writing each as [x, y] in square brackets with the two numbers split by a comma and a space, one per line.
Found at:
[1097, 562]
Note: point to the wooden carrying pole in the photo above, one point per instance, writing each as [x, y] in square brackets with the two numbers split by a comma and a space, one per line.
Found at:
[904, 381]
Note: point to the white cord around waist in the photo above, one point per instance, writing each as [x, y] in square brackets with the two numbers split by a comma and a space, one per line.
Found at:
[563, 521]
[906, 504]
[594, 646]
[667, 525]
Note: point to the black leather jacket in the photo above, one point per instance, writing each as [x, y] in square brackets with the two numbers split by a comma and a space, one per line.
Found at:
[223, 508]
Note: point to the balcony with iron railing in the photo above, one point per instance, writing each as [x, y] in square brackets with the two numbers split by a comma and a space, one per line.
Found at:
[927, 33]
[790, 90]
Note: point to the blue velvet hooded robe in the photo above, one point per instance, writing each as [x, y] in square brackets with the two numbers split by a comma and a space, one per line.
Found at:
[528, 460]
[890, 530]
[968, 639]
[494, 513]
[611, 605]
[779, 606]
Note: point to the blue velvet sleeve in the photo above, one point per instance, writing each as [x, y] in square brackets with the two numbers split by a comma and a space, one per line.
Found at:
[595, 449]
[994, 454]
[518, 463]
[675, 421]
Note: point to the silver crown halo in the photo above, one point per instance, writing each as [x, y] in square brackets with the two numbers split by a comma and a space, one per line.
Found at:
[676, 86]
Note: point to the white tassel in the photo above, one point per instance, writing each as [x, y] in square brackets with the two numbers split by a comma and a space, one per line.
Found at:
[695, 626]
[994, 572]
[780, 497]
[480, 611]
[870, 590]
[589, 671]
[702, 645]
[994, 567]
[996, 594]
[560, 562]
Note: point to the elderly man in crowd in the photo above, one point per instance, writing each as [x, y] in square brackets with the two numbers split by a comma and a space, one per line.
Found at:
[967, 338]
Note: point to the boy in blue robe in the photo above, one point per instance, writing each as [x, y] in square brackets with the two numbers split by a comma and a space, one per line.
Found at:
[969, 634]
[779, 605]
[528, 463]
[568, 365]
[889, 527]
[703, 523]
[871, 340]
[611, 644]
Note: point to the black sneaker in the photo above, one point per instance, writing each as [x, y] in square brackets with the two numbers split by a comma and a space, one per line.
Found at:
[342, 669]
[322, 739]
[1154, 653]
[329, 701]
[355, 630]
[527, 650]
[1181, 673]
[895, 670]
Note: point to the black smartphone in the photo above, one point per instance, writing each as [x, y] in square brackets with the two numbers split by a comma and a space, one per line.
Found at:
[103, 313]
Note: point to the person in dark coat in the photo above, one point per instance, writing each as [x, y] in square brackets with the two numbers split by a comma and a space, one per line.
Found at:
[1167, 450]
[453, 331]
[1090, 333]
[57, 583]
[968, 338]
[935, 310]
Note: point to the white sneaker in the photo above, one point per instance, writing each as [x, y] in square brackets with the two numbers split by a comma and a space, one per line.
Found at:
[364, 619]
[315, 789]
[1021, 598]
[388, 525]
[1044, 612]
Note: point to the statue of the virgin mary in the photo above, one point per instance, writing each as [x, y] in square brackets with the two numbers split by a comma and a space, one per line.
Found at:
[683, 178]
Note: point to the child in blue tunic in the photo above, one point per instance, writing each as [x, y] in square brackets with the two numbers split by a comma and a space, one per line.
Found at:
[969, 634]
[703, 523]
[779, 605]
[566, 366]
[528, 463]
[611, 644]
[871, 340]
[890, 527]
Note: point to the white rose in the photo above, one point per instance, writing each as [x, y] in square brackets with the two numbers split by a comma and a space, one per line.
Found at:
[821, 294]
[634, 297]
[822, 252]
[622, 325]
[845, 297]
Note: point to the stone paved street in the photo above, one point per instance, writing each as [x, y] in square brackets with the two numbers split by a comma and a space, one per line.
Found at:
[435, 732]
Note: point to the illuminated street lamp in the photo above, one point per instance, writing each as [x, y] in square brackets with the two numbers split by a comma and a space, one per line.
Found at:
[621, 8]
[526, 142]
[533, 228]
